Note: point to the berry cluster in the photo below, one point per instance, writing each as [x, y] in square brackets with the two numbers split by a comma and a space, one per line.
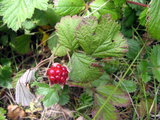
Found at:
[57, 74]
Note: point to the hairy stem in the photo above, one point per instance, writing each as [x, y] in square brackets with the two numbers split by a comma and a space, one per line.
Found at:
[136, 3]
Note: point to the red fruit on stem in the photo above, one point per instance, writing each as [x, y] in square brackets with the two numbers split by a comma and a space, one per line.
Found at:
[63, 79]
[52, 78]
[57, 74]
[64, 68]
[58, 66]
[50, 71]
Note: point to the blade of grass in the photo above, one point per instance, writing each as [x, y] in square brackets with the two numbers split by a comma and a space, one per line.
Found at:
[146, 101]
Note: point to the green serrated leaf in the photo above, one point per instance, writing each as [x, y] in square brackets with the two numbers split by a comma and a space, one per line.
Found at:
[108, 112]
[56, 87]
[42, 89]
[143, 69]
[51, 98]
[153, 19]
[101, 39]
[104, 79]
[5, 75]
[129, 17]
[69, 7]
[28, 25]
[142, 17]
[64, 96]
[20, 9]
[104, 7]
[66, 31]
[49, 16]
[85, 34]
[119, 3]
[134, 48]
[60, 51]
[21, 44]
[155, 61]
[52, 41]
[85, 100]
[129, 86]
[63, 99]
[112, 66]
[119, 97]
[81, 69]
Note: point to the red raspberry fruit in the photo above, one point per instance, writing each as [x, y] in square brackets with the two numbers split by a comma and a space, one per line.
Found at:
[57, 74]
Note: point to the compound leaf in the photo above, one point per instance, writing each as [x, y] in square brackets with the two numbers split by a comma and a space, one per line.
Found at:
[15, 12]
[101, 39]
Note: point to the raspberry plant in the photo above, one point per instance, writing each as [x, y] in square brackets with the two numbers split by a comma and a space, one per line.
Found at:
[105, 48]
[97, 39]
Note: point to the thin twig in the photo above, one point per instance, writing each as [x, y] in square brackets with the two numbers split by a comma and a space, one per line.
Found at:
[42, 62]
[10, 94]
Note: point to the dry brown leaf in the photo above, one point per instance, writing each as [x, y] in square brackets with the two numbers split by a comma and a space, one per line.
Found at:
[15, 112]
[23, 95]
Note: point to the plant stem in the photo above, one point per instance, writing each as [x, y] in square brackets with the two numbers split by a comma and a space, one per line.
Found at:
[136, 3]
